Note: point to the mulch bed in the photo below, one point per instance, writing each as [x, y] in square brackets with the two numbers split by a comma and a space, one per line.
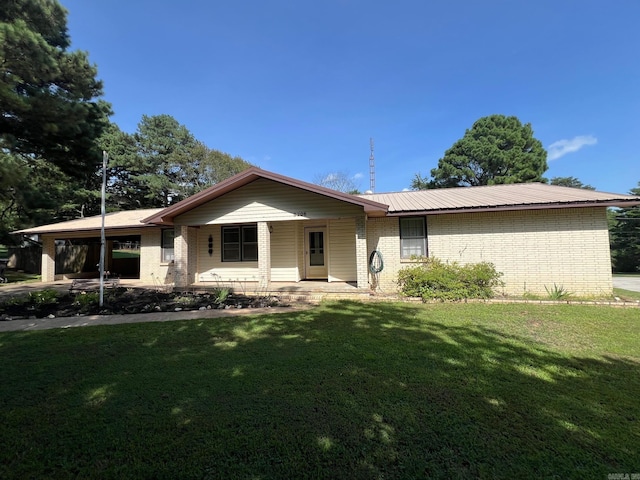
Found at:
[123, 301]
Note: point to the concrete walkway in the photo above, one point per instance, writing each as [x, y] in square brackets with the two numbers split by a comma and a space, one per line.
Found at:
[627, 283]
[90, 320]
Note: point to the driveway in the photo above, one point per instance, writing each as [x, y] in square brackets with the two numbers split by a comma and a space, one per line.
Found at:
[627, 283]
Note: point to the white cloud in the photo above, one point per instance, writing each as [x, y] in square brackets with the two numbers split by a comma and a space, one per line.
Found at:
[358, 176]
[562, 147]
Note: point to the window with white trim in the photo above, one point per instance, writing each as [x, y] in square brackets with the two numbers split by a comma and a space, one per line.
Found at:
[167, 245]
[240, 243]
[413, 237]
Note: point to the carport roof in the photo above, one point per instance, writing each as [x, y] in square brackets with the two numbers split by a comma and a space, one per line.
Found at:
[112, 221]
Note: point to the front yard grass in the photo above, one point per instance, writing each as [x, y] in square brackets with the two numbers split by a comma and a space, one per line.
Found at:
[344, 390]
[626, 295]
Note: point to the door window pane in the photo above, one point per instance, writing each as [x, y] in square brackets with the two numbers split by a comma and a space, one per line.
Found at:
[316, 249]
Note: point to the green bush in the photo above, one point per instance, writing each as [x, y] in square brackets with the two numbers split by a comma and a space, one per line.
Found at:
[558, 292]
[43, 297]
[87, 300]
[435, 279]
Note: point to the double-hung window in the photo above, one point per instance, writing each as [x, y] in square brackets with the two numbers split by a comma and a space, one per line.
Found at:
[240, 243]
[167, 245]
[413, 237]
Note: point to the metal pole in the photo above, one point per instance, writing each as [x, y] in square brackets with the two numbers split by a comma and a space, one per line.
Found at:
[102, 237]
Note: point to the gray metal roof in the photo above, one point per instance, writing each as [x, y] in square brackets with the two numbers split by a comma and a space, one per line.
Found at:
[116, 220]
[520, 196]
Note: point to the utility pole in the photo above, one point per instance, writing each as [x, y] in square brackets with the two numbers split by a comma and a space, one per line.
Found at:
[372, 169]
[102, 237]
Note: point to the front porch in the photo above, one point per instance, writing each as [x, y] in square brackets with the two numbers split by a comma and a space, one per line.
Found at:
[304, 290]
[324, 255]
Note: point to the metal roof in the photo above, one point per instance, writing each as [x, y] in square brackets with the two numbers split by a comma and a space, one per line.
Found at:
[115, 220]
[519, 196]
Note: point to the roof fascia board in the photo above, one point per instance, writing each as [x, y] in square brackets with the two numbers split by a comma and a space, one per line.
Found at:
[541, 206]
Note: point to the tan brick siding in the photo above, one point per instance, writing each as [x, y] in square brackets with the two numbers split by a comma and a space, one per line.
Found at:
[152, 270]
[534, 249]
[48, 258]
[383, 234]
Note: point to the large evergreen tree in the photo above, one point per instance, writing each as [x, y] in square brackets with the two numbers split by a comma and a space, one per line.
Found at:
[161, 163]
[49, 106]
[572, 182]
[496, 149]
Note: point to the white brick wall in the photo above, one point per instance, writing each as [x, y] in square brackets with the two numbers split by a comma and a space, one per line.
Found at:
[48, 258]
[152, 270]
[264, 255]
[534, 249]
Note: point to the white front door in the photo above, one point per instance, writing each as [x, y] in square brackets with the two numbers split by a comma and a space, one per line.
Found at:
[315, 253]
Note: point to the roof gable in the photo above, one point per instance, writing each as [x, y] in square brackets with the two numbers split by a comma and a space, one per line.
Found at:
[166, 216]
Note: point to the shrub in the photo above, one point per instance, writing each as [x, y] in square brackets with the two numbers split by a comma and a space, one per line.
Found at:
[435, 279]
[558, 292]
[43, 297]
[87, 299]
[222, 295]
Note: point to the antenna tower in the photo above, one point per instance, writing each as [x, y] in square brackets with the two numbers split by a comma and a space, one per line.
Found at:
[372, 169]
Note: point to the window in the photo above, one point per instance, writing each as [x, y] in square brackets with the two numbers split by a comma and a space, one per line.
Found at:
[167, 245]
[240, 243]
[413, 238]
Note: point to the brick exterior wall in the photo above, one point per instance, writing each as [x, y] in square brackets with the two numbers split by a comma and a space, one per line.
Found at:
[383, 234]
[362, 258]
[533, 249]
[185, 247]
[264, 255]
[152, 270]
[48, 259]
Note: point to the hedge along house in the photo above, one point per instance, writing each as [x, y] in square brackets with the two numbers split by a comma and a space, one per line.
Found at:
[268, 230]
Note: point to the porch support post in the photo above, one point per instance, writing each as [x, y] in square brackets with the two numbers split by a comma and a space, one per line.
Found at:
[362, 272]
[264, 255]
[184, 249]
[48, 269]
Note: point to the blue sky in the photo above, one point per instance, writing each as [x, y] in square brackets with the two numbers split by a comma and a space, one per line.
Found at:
[299, 87]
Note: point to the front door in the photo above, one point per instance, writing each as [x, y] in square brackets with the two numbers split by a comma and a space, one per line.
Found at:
[315, 253]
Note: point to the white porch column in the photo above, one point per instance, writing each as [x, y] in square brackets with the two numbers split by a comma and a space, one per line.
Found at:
[185, 255]
[362, 259]
[48, 269]
[264, 255]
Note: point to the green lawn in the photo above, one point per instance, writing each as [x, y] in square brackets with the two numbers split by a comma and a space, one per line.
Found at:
[344, 390]
[627, 295]
[22, 277]
[126, 253]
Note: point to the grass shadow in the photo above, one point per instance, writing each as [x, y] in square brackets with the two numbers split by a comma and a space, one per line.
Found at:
[346, 390]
